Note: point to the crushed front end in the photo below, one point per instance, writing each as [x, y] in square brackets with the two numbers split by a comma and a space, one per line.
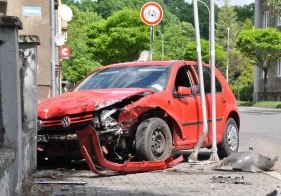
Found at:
[106, 136]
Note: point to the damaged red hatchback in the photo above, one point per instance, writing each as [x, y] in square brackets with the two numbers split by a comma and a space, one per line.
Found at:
[141, 109]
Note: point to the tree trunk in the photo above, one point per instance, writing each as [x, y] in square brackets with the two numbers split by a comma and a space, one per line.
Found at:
[265, 85]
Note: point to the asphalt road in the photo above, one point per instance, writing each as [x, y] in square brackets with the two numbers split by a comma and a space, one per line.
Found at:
[261, 131]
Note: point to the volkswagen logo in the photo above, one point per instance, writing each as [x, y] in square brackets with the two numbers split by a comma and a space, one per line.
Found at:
[65, 122]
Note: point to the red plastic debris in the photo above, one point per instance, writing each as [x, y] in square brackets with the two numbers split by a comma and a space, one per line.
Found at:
[128, 167]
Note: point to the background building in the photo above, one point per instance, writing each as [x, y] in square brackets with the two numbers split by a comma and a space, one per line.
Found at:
[264, 19]
[36, 19]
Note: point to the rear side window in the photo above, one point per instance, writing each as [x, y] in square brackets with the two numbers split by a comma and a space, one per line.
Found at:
[207, 80]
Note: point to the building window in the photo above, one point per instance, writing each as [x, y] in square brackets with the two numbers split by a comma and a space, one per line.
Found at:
[278, 21]
[279, 68]
[265, 19]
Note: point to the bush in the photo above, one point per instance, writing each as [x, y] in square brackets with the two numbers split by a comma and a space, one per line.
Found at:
[246, 92]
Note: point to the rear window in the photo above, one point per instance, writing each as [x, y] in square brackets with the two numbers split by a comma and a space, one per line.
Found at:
[207, 80]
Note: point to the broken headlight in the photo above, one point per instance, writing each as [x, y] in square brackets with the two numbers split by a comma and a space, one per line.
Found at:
[106, 119]
[96, 122]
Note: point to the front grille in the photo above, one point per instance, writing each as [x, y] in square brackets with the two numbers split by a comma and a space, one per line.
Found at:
[64, 130]
[74, 120]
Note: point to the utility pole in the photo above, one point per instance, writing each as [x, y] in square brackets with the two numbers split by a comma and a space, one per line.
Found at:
[194, 155]
[214, 155]
[209, 26]
[151, 40]
[53, 55]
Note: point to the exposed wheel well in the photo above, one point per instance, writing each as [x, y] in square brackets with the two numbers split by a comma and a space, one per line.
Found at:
[159, 113]
[235, 116]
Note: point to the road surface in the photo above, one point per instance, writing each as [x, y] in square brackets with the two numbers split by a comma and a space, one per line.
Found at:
[261, 130]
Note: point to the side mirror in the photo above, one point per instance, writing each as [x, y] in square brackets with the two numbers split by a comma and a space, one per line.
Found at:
[183, 91]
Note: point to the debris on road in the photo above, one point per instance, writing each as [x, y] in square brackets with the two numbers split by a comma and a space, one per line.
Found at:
[61, 182]
[247, 161]
[53, 176]
[127, 167]
[273, 193]
[230, 180]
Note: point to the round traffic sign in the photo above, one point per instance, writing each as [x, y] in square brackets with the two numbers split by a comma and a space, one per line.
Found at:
[151, 13]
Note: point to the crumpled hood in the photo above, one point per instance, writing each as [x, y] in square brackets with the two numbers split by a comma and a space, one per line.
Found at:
[84, 101]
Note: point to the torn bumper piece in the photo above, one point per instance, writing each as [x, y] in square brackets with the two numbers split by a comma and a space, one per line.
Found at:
[90, 146]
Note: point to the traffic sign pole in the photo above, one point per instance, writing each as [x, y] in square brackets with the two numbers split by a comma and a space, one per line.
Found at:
[151, 14]
[151, 41]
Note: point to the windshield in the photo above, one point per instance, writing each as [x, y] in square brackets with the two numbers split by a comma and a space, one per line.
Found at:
[152, 77]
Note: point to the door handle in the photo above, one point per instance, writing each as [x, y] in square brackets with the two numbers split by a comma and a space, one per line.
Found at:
[223, 100]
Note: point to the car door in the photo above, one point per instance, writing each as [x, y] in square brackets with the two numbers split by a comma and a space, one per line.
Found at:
[188, 107]
[220, 103]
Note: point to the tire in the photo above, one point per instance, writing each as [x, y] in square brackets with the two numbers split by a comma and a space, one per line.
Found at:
[153, 140]
[230, 140]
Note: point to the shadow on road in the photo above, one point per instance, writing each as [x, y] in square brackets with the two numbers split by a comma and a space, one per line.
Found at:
[82, 165]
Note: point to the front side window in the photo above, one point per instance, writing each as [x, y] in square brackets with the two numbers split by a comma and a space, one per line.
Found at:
[151, 77]
[182, 78]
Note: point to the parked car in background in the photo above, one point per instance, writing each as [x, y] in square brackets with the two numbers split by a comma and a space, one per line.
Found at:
[145, 109]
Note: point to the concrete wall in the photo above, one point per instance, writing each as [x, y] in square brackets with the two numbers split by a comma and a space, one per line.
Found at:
[18, 84]
[11, 106]
[40, 26]
[28, 47]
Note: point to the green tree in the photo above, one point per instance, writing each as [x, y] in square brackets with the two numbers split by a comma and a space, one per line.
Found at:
[276, 5]
[242, 73]
[190, 53]
[184, 11]
[80, 62]
[227, 17]
[263, 45]
[120, 38]
[82, 5]
[176, 38]
[248, 25]
[107, 7]
[244, 12]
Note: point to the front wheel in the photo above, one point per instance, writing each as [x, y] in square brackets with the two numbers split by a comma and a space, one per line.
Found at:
[153, 140]
[230, 140]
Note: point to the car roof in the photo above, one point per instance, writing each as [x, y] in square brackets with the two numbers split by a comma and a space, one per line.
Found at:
[148, 63]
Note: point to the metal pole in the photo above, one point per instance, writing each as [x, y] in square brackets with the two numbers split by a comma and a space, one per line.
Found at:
[59, 26]
[162, 44]
[214, 155]
[151, 40]
[194, 155]
[209, 27]
[53, 56]
[57, 55]
[227, 62]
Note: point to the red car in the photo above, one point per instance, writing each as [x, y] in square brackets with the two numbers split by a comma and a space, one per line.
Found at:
[145, 109]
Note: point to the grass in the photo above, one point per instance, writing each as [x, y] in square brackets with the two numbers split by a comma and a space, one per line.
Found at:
[262, 104]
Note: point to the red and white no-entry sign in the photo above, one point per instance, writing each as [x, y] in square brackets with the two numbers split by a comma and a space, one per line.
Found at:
[151, 13]
[65, 52]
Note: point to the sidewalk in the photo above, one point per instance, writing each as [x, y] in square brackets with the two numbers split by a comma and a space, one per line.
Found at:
[184, 179]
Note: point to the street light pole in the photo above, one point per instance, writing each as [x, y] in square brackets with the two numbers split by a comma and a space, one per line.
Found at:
[227, 62]
[53, 56]
[214, 155]
[209, 26]
[162, 44]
